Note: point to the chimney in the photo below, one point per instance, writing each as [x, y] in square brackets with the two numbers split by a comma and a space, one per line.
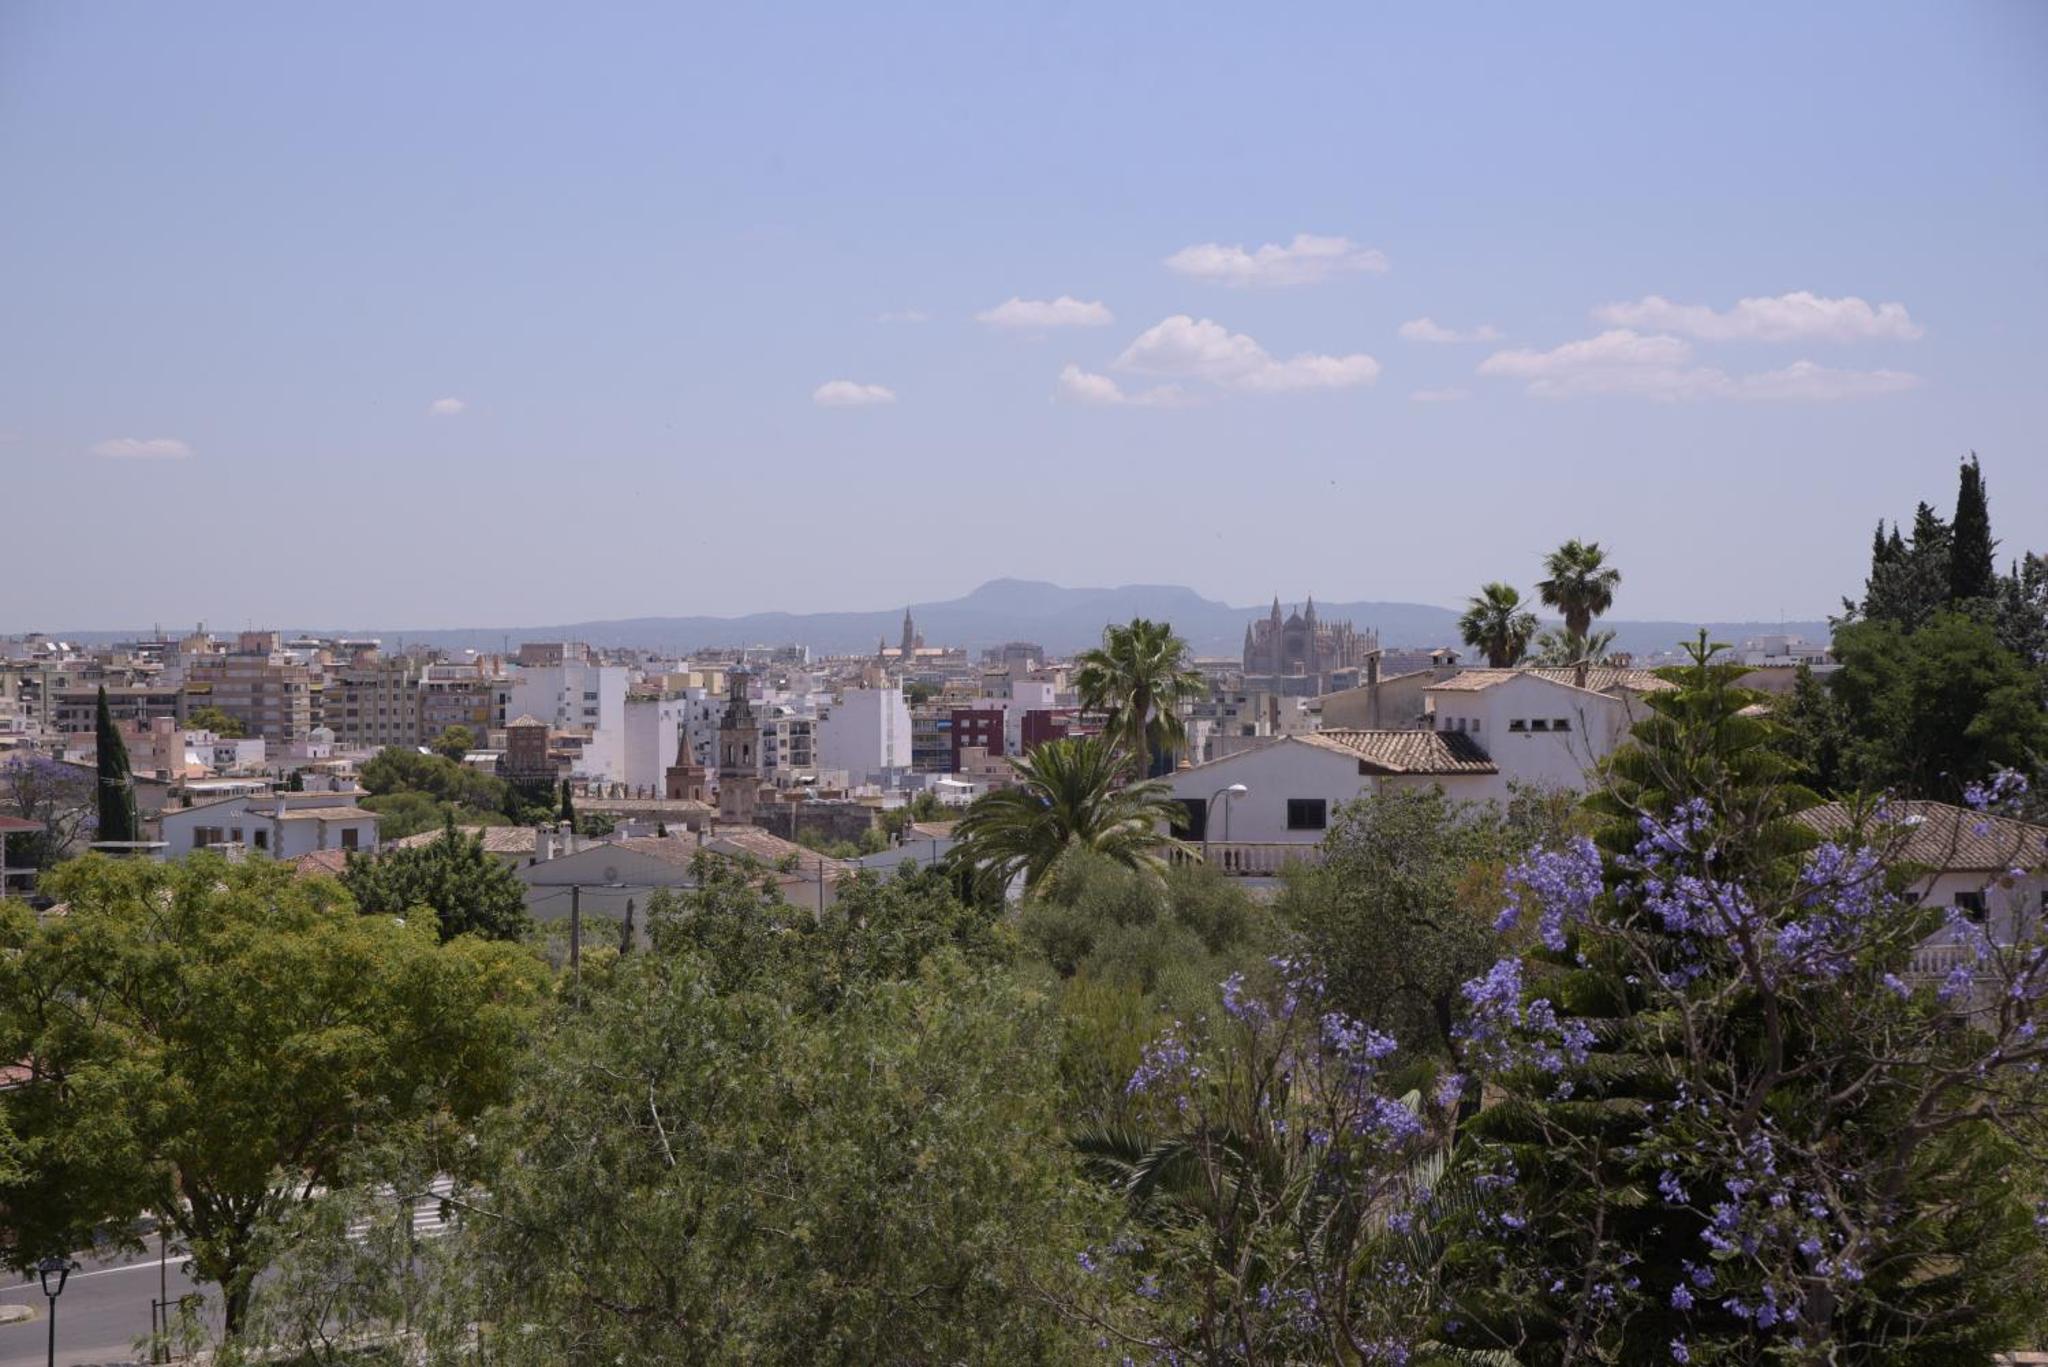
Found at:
[1579, 673]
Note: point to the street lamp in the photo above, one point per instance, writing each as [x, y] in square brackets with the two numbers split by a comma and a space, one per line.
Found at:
[54, 1272]
[1235, 790]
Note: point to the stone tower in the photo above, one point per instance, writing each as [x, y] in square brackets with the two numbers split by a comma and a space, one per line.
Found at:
[911, 640]
[739, 754]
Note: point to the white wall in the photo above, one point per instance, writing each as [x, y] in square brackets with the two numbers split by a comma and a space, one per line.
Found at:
[649, 746]
[578, 696]
[866, 733]
[1550, 758]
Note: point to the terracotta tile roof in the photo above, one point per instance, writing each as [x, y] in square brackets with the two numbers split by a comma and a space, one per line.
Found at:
[1407, 752]
[497, 839]
[767, 847]
[1951, 838]
[1599, 679]
[317, 862]
[325, 814]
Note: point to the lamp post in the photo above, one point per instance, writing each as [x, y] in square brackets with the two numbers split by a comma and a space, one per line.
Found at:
[1234, 791]
[54, 1272]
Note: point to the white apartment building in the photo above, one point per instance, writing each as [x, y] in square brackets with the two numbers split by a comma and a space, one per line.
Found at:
[866, 733]
[281, 825]
[579, 696]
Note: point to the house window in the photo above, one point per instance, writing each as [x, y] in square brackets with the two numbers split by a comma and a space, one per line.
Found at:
[1539, 725]
[1198, 819]
[348, 837]
[1308, 813]
[1971, 903]
[262, 840]
[1561, 724]
[1518, 724]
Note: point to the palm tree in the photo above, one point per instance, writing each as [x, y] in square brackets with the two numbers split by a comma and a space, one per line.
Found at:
[1140, 676]
[1581, 584]
[1069, 795]
[1498, 623]
[1561, 649]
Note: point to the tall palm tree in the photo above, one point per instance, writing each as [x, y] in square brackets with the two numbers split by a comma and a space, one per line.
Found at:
[1140, 676]
[1498, 623]
[1562, 649]
[1581, 584]
[1069, 795]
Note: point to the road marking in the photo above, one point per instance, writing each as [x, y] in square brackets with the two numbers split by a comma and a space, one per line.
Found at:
[36, 1287]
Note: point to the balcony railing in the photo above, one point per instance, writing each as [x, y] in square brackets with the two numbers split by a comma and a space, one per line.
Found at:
[1253, 858]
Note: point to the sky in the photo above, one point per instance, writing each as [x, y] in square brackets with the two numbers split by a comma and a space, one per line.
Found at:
[405, 315]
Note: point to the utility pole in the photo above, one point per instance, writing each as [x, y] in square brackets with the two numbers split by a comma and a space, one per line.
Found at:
[576, 932]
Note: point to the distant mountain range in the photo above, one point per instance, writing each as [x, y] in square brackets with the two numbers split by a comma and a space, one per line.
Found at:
[1060, 619]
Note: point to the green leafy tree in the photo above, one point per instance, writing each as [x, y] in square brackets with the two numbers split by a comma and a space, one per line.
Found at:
[211, 718]
[1497, 623]
[566, 811]
[774, 1138]
[210, 1041]
[1068, 795]
[413, 792]
[454, 742]
[469, 891]
[1140, 676]
[1909, 580]
[1972, 572]
[117, 817]
[1933, 710]
[1400, 913]
[2022, 612]
[1816, 734]
[1580, 584]
[60, 798]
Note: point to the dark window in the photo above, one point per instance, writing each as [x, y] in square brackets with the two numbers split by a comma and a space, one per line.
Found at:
[1308, 813]
[1518, 725]
[348, 837]
[1561, 724]
[1972, 903]
[262, 839]
[1198, 819]
[1539, 725]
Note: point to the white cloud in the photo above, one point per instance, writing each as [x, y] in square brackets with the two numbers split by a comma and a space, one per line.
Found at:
[1801, 316]
[142, 448]
[1440, 395]
[851, 394]
[903, 316]
[1182, 348]
[1805, 380]
[445, 408]
[1430, 330]
[1303, 261]
[1100, 391]
[1622, 361]
[1063, 312]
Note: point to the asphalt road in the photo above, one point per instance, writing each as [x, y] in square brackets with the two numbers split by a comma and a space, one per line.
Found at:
[103, 1311]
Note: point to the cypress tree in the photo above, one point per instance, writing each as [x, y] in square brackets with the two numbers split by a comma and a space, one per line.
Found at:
[117, 819]
[1971, 573]
[568, 811]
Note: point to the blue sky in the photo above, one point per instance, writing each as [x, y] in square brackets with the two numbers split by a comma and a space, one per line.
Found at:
[248, 251]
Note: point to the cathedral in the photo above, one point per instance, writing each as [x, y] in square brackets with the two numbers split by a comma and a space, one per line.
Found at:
[1313, 656]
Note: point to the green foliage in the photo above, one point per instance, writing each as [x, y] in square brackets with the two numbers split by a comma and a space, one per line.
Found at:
[1497, 622]
[468, 891]
[1580, 585]
[1561, 649]
[1931, 710]
[412, 792]
[597, 825]
[454, 742]
[1816, 734]
[117, 818]
[566, 812]
[771, 1139]
[210, 1040]
[211, 718]
[1401, 911]
[1069, 795]
[1972, 575]
[1140, 676]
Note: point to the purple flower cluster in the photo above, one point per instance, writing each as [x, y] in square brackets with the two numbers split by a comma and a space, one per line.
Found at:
[1560, 885]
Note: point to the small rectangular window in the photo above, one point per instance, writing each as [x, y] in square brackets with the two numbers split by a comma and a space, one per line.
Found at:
[1308, 813]
[262, 840]
[1539, 725]
[1971, 903]
[1561, 724]
[348, 837]
[1518, 724]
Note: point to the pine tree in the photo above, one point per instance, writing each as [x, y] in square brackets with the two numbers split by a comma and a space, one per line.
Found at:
[1972, 576]
[117, 819]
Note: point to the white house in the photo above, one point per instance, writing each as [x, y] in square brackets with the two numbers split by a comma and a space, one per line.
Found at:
[578, 696]
[1541, 727]
[281, 825]
[1995, 868]
[1293, 785]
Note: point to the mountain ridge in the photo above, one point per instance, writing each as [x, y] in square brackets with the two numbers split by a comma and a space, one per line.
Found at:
[1059, 618]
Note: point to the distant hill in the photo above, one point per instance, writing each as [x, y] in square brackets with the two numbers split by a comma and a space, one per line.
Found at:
[1060, 619]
